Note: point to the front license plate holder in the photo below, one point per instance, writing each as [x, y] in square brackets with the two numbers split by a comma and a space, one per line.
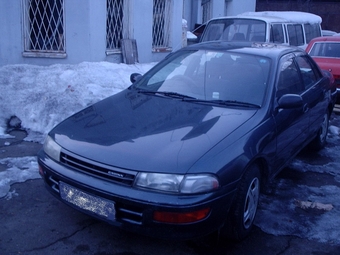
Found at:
[101, 207]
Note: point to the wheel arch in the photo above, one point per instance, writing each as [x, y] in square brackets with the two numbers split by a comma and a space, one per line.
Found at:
[264, 170]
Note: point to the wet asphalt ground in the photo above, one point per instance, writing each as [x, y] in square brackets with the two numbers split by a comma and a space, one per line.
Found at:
[34, 222]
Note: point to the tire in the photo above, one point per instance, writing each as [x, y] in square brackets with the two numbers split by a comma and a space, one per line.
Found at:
[320, 140]
[243, 211]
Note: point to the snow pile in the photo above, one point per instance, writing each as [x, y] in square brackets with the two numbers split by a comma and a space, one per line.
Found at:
[42, 96]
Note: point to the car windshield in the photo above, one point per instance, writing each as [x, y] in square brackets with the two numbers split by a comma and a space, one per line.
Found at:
[207, 75]
[325, 49]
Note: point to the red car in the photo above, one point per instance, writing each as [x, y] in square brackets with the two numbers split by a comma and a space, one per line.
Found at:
[326, 53]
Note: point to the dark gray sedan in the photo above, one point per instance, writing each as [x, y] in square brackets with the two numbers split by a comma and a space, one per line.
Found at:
[185, 150]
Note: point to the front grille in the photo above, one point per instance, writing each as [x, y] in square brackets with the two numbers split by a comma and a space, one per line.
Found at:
[129, 214]
[106, 172]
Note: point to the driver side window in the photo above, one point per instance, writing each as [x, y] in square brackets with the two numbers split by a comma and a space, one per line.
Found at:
[289, 81]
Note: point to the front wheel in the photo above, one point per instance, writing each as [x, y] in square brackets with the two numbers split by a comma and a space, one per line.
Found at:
[243, 211]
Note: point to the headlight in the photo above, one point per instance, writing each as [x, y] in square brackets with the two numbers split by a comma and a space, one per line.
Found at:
[52, 149]
[186, 184]
[199, 183]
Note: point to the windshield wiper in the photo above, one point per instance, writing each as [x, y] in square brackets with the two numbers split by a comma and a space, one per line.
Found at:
[228, 103]
[167, 94]
[202, 101]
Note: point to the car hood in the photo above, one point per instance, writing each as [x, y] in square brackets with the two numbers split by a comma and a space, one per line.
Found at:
[148, 133]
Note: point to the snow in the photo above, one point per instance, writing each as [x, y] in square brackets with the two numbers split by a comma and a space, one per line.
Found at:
[190, 35]
[289, 16]
[42, 96]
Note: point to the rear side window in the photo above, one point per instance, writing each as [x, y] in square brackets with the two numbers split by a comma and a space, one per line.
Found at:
[295, 34]
[289, 81]
[312, 31]
[309, 76]
[276, 33]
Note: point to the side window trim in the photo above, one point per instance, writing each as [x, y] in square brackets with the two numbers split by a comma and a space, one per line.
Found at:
[313, 76]
[288, 70]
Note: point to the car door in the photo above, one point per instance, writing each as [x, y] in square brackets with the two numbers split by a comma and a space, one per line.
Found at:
[314, 94]
[291, 122]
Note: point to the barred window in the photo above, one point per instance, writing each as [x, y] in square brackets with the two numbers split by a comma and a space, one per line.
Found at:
[117, 24]
[44, 28]
[161, 25]
[206, 12]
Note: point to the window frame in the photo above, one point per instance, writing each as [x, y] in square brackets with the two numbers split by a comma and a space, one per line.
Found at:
[295, 34]
[122, 31]
[283, 63]
[307, 71]
[161, 26]
[49, 37]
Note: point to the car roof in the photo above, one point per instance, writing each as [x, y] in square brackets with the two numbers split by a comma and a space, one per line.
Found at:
[277, 16]
[334, 38]
[270, 50]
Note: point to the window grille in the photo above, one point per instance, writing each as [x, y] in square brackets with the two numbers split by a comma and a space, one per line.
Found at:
[117, 23]
[206, 13]
[44, 28]
[161, 25]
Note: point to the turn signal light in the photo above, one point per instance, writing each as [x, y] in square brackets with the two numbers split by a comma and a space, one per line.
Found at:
[41, 171]
[180, 218]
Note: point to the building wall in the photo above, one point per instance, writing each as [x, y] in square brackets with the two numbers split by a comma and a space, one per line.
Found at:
[85, 24]
[219, 8]
[85, 32]
[235, 7]
[85, 29]
[10, 32]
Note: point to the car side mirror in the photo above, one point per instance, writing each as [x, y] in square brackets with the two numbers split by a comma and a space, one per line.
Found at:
[135, 77]
[290, 101]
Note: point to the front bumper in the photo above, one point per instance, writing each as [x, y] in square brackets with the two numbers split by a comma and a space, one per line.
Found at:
[134, 208]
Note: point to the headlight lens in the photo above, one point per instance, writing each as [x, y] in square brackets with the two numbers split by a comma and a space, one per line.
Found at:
[199, 183]
[52, 149]
[186, 184]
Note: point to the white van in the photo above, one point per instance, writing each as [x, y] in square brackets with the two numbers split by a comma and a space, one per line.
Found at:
[290, 28]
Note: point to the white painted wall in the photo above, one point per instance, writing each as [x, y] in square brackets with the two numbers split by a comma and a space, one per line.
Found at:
[85, 24]
[10, 32]
[235, 7]
[85, 29]
[141, 23]
[219, 8]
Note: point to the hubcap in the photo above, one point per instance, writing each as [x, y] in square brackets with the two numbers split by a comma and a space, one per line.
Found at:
[251, 202]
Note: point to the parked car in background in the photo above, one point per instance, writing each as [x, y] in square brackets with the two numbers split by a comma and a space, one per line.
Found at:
[326, 53]
[185, 150]
[328, 32]
[284, 27]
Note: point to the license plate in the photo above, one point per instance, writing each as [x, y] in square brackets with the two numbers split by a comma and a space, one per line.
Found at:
[87, 202]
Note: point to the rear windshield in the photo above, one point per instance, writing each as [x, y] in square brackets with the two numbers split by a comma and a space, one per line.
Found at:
[312, 31]
[237, 29]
